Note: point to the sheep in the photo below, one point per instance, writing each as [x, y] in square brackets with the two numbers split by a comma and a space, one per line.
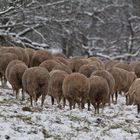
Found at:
[55, 85]
[110, 63]
[4, 61]
[13, 50]
[101, 63]
[133, 95]
[110, 80]
[99, 92]
[15, 78]
[135, 66]
[40, 56]
[11, 64]
[123, 66]
[30, 53]
[87, 69]
[123, 79]
[24, 55]
[75, 89]
[75, 64]
[62, 60]
[35, 82]
[63, 68]
[59, 55]
[49, 64]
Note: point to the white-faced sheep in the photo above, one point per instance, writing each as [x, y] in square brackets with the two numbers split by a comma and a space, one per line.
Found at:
[75, 89]
[15, 78]
[55, 85]
[99, 92]
[35, 82]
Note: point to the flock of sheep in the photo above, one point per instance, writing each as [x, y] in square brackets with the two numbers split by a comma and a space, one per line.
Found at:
[78, 80]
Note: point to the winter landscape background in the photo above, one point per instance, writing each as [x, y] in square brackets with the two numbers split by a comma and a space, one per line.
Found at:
[103, 28]
[106, 28]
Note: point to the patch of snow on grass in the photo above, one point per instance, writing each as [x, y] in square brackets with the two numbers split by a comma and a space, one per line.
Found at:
[118, 122]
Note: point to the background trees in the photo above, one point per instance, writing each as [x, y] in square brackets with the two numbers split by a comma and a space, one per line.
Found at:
[76, 27]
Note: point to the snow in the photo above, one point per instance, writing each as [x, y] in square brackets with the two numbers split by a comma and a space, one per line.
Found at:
[117, 121]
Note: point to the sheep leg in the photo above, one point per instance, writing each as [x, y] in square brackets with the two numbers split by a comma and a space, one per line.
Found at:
[109, 100]
[98, 107]
[23, 95]
[126, 99]
[83, 101]
[43, 99]
[88, 105]
[70, 103]
[5, 82]
[58, 99]
[113, 100]
[17, 94]
[64, 102]
[52, 100]
[95, 107]
[116, 96]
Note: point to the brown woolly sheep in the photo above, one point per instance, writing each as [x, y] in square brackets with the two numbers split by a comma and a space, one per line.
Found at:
[133, 95]
[11, 64]
[15, 78]
[35, 82]
[62, 60]
[75, 89]
[24, 55]
[4, 61]
[63, 68]
[123, 66]
[30, 53]
[135, 66]
[110, 80]
[49, 64]
[99, 92]
[123, 79]
[59, 55]
[13, 50]
[40, 56]
[55, 85]
[87, 69]
[101, 63]
[110, 63]
[75, 64]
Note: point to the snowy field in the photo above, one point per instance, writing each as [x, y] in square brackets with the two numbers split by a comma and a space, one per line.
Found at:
[118, 122]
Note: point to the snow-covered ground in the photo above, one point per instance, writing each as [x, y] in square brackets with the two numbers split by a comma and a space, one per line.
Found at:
[118, 122]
